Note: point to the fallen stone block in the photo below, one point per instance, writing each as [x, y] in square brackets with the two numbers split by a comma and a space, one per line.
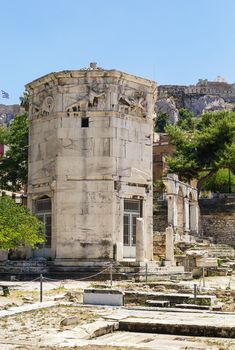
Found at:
[68, 321]
[99, 328]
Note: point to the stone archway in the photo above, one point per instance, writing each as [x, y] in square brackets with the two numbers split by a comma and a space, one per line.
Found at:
[180, 212]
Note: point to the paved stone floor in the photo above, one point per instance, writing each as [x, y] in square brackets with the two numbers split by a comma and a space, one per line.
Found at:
[162, 341]
[86, 335]
[202, 318]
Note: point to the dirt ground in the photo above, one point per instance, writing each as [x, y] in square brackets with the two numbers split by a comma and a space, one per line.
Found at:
[24, 331]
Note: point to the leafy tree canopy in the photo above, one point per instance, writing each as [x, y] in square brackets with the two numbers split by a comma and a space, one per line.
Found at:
[14, 165]
[2, 133]
[18, 227]
[161, 122]
[223, 181]
[185, 120]
[208, 148]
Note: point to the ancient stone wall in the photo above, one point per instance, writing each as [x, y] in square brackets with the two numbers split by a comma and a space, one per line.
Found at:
[218, 219]
[160, 216]
[159, 246]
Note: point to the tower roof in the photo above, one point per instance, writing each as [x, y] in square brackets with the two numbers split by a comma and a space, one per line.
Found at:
[92, 70]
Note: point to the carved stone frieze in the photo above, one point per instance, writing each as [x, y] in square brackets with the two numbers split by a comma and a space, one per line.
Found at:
[44, 106]
[134, 103]
[93, 99]
[48, 105]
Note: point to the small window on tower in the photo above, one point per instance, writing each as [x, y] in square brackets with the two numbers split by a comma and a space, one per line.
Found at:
[85, 122]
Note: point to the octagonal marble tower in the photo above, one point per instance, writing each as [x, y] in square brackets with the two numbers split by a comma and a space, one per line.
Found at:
[90, 162]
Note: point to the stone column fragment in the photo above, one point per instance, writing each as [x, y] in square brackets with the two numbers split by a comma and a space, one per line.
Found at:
[170, 245]
[140, 246]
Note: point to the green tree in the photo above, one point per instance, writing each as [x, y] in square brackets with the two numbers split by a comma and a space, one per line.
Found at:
[219, 182]
[206, 149]
[161, 122]
[14, 165]
[185, 119]
[18, 227]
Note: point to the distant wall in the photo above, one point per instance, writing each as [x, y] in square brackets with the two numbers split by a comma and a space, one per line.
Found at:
[218, 219]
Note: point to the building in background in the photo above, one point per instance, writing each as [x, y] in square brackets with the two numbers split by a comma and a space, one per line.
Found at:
[161, 149]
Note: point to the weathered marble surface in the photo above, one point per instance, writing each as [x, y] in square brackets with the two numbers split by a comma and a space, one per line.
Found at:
[88, 171]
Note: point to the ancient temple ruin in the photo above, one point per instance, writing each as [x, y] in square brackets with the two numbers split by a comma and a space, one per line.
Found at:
[90, 163]
[183, 210]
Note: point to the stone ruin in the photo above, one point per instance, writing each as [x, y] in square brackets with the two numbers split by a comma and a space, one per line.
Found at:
[205, 96]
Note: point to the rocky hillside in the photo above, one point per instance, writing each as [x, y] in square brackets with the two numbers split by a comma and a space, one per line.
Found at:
[8, 113]
[203, 97]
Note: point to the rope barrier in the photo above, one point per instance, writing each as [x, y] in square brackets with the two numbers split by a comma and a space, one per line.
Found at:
[79, 279]
[35, 279]
[51, 279]
[45, 279]
[96, 274]
[51, 284]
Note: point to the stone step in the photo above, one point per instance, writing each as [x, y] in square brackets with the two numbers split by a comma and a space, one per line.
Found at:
[83, 269]
[192, 306]
[173, 298]
[160, 326]
[158, 303]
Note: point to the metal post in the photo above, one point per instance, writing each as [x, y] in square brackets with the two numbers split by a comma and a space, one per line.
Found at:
[41, 279]
[146, 273]
[111, 275]
[195, 292]
[229, 180]
[203, 277]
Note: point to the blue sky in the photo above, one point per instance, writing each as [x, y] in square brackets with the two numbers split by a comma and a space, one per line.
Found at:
[170, 41]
